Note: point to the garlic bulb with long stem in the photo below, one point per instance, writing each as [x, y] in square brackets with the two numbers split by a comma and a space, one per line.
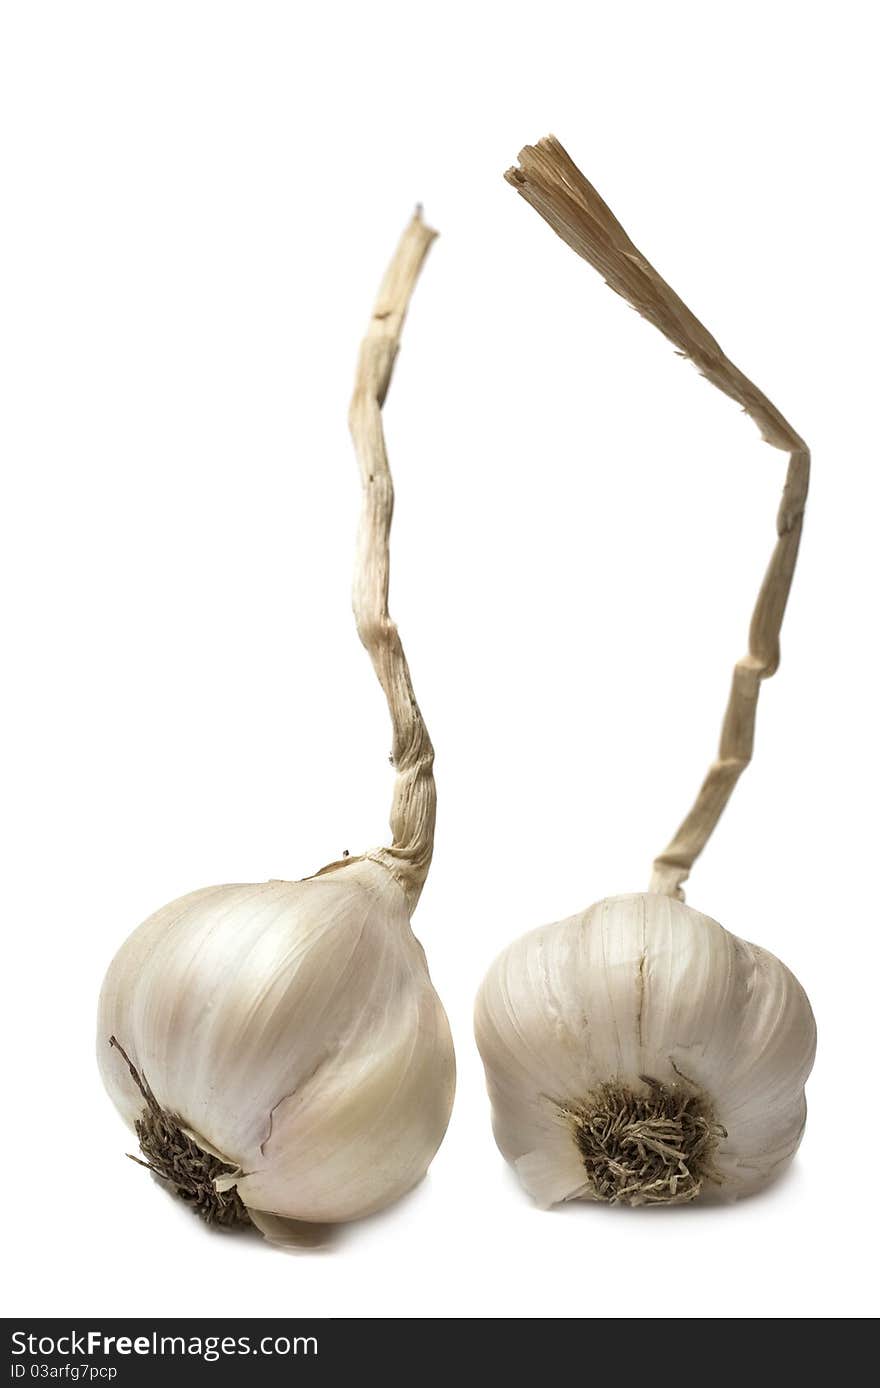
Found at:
[278, 1047]
[637, 1052]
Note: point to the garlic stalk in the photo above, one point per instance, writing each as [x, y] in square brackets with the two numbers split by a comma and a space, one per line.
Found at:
[638, 1052]
[278, 1047]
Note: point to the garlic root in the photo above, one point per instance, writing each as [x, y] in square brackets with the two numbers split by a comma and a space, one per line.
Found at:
[177, 1159]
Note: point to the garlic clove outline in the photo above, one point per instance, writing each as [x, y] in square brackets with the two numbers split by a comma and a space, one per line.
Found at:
[292, 1235]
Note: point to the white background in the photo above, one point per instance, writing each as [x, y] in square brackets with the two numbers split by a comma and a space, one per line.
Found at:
[200, 200]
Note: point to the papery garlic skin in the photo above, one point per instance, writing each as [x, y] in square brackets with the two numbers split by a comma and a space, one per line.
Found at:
[639, 986]
[293, 1030]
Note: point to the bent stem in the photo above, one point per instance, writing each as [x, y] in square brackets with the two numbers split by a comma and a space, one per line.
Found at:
[413, 809]
[552, 183]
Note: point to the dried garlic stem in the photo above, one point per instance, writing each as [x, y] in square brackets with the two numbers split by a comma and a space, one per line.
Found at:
[415, 798]
[549, 180]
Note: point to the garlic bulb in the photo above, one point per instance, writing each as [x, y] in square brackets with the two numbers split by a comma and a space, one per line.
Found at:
[294, 1029]
[278, 1047]
[638, 1052]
